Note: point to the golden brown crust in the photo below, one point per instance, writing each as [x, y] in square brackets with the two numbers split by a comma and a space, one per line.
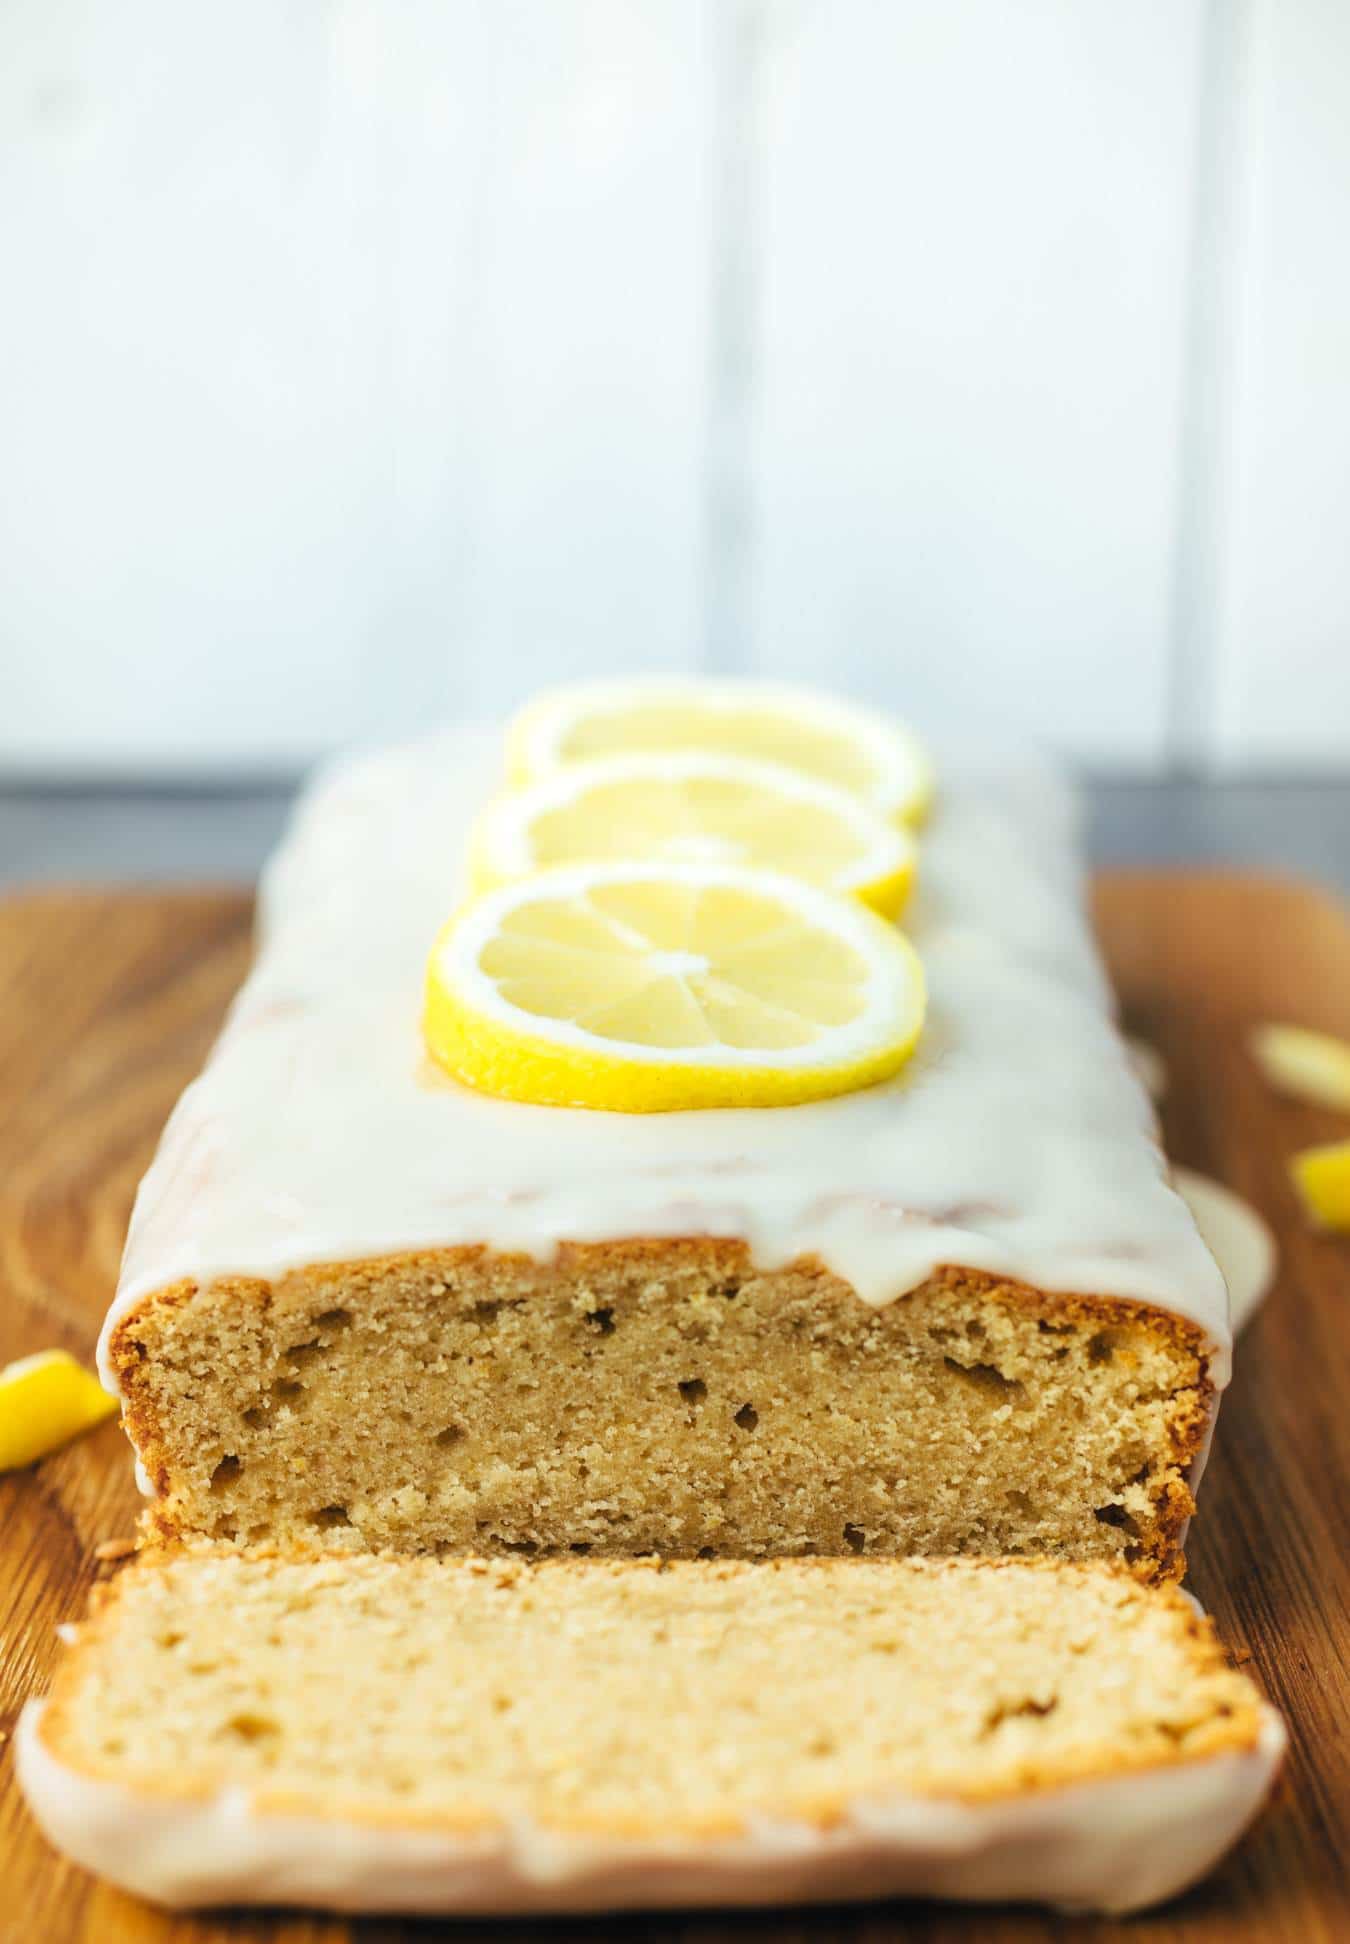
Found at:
[722, 1258]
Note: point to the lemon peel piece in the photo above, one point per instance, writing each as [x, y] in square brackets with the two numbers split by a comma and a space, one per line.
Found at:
[650, 988]
[1321, 1176]
[693, 807]
[1307, 1065]
[45, 1401]
[853, 748]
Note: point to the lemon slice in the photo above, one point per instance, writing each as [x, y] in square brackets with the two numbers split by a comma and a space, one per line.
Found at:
[697, 809]
[866, 754]
[1310, 1066]
[45, 1400]
[1322, 1178]
[642, 988]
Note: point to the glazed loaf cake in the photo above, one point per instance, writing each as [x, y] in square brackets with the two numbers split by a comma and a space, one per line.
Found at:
[493, 1736]
[958, 1312]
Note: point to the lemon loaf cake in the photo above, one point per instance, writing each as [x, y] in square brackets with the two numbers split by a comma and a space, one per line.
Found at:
[497, 1735]
[960, 1311]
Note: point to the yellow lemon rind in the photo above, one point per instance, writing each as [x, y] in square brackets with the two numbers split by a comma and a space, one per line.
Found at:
[538, 1072]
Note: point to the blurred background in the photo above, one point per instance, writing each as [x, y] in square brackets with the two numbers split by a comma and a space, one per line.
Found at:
[369, 361]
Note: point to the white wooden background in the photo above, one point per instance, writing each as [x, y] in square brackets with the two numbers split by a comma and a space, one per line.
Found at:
[363, 360]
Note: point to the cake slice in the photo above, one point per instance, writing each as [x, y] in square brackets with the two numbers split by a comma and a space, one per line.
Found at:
[494, 1736]
[961, 1311]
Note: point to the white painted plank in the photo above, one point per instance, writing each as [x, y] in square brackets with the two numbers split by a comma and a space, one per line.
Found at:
[181, 472]
[972, 284]
[589, 337]
[351, 365]
[1282, 665]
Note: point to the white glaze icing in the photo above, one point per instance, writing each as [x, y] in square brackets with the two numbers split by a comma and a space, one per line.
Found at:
[1238, 1238]
[1150, 1065]
[1114, 1844]
[1017, 1141]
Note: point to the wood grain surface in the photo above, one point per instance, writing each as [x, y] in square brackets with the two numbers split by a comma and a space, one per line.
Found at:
[108, 1003]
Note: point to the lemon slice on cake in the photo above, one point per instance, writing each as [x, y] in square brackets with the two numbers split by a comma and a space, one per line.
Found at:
[869, 755]
[697, 809]
[643, 988]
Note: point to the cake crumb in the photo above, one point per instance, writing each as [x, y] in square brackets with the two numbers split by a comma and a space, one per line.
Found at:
[666, 1695]
[701, 1424]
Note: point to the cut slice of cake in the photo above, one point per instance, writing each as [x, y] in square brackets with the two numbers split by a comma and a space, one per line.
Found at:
[494, 1736]
[961, 1311]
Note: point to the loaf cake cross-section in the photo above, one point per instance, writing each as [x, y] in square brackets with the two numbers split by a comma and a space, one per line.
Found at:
[959, 1312]
[494, 1736]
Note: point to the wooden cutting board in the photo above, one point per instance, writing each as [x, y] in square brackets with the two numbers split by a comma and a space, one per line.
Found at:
[108, 1002]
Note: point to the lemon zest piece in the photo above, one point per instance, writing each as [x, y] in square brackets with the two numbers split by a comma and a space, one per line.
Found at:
[694, 807]
[666, 1021]
[1306, 1065]
[1322, 1177]
[45, 1401]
